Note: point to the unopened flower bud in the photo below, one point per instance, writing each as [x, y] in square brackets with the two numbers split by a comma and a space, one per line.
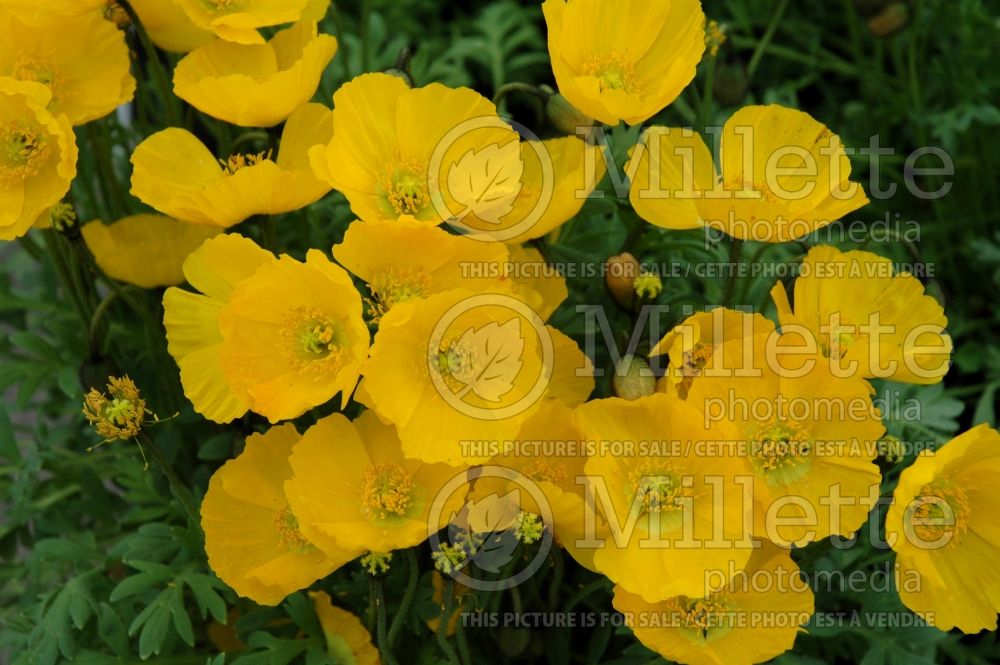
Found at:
[565, 117]
[633, 378]
[890, 20]
[620, 272]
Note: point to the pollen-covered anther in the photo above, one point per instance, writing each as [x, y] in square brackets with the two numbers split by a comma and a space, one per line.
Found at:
[660, 491]
[287, 526]
[23, 152]
[393, 286]
[236, 162]
[405, 186]
[386, 491]
[940, 512]
[310, 336]
[613, 72]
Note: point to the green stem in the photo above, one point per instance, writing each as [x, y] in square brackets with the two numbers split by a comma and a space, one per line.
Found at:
[766, 39]
[180, 490]
[442, 632]
[59, 262]
[735, 251]
[159, 73]
[413, 569]
[380, 634]
[707, 95]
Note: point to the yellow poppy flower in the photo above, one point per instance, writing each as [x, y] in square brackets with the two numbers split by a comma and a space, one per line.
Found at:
[866, 319]
[691, 344]
[406, 259]
[781, 176]
[753, 619]
[347, 640]
[145, 250]
[536, 281]
[252, 537]
[37, 156]
[83, 61]
[255, 85]
[352, 488]
[192, 321]
[176, 174]
[624, 60]
[942, 525]
[169, 27]
[671, 524]
[402, 151]
[293, 336]
[557, 177]
[810, 437]
[238, 21]
[463, 366]
[34, 12]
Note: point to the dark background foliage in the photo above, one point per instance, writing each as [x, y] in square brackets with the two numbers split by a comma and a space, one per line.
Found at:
[97, 564]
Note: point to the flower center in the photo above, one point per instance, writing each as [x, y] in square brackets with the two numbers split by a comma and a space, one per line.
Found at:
[404, 187]
[659, 491]
[287, 526]
[310, 337]
[236, 162]
[702, 619]
[780, 452]
[393, 286]
[540, 469]
[837, 339]
[386, 491]
[37, 69]
[221, 5]
[939, 512]
[612, 72]
[23, 152]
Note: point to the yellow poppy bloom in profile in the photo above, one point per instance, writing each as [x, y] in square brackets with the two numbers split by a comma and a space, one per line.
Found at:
[558, 176]
[781, 175]
[942, 524]
[293, 336]
[177, 175]
[255, 85]
[145, 250]
[624, 60]
[691, 344]
[429, 152]
[406, 259]
[352, 488]
[252, 537]
[670, 523]
[238, 21]
[463, 366]
[83, 61]
[810, 437]
[753, 618]
[535, 280]
[37, 156]
[169, 27]
[192, 322]
[347, 640]
[868, 320]
[34, 12]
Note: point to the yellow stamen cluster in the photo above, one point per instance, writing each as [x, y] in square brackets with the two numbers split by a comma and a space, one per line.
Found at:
[405, 186]
[659, 491]
[780, 451]
[647, 286]
[221, 5]
[39, 69]
[541, 470]
[287, 526]
[310, 337]
[613, 72]
[118, 415]
[386, 490]
[528, 527]
[715, 36]
[393, 286]
[23, 152]
[237, 162]
[114, 12]
[376, 563]
[933, 522]
[707, 618]
[62, 216]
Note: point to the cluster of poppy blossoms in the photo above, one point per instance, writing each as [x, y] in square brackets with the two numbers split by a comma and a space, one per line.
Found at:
[759, 437]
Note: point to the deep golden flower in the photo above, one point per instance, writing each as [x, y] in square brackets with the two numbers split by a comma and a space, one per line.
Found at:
[624, 60]
[169, 27]
[176, 174]
[145, 250]
[781, 175]
[83, 61]
[256, 85]
[37, 156]
[238, 20]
